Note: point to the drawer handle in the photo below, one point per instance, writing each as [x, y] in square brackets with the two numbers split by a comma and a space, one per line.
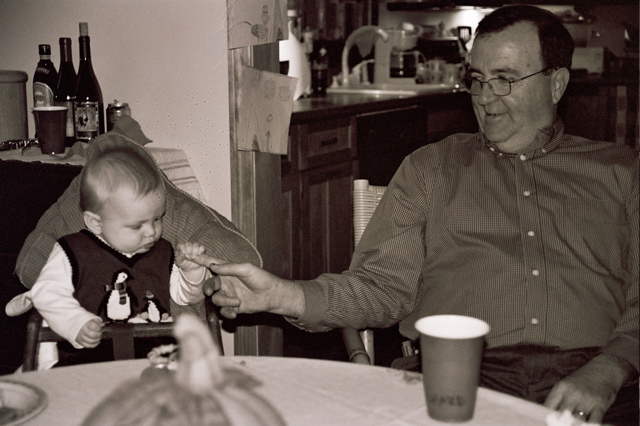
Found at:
[328, 142]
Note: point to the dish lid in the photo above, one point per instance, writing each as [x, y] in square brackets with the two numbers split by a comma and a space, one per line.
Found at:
[7, 76]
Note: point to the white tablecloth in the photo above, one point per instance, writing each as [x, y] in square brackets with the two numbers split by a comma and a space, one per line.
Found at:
[306, 392]
[173, 162]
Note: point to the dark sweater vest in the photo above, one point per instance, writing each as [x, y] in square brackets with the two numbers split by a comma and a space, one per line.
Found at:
[96, 266]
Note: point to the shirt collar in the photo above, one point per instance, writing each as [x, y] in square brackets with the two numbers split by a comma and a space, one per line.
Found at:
[547, 139]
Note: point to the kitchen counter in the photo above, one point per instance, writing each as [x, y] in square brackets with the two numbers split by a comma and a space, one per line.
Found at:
[334, 105]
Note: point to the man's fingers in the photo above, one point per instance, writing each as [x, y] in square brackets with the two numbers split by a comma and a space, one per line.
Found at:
[225, 301]
[596, 415]
[230, 313]
[205, 260]
[554, 399]
[211, 285]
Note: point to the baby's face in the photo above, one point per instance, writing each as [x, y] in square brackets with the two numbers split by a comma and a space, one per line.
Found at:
[132, 223]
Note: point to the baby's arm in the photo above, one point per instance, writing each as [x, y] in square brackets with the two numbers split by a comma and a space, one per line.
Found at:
[52, 296]
[187, 276]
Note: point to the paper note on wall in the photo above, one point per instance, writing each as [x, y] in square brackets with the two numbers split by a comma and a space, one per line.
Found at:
[264, 102]
[254, 22]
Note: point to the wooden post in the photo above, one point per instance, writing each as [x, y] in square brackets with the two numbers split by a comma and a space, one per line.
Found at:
[255, 198]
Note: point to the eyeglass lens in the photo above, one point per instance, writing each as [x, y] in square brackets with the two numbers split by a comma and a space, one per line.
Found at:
[499, 86]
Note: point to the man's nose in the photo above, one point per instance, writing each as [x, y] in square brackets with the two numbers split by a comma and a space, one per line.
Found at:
[486, 94]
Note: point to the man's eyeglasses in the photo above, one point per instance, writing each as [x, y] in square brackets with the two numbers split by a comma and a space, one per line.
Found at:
[500, 86]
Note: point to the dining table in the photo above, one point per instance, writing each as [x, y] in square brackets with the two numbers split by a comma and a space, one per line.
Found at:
[304, 391]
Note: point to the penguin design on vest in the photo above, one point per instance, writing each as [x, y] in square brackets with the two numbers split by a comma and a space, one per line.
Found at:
[119, 302]
[153, 310]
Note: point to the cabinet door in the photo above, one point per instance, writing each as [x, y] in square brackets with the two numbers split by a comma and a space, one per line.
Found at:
[327, 224]
[386, 138]
[449, 115]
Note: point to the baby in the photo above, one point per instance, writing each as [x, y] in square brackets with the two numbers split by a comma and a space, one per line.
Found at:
[118, 268]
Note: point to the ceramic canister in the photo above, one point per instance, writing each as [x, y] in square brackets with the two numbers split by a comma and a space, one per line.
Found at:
[13, 105]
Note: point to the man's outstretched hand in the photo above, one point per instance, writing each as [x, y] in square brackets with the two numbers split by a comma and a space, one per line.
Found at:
[243, 288]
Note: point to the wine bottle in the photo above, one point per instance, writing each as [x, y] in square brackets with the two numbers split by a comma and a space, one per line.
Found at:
[320, 72]
[66, 87]
[44, 79]
[88, 106]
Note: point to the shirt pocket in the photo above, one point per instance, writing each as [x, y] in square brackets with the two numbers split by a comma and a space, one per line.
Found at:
[598, 230]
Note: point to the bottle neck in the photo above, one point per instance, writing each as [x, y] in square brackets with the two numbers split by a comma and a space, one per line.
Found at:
[65, 53]
[85, 49]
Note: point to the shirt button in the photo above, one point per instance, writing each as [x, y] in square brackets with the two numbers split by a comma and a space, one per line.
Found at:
[544, 151]
[526, 193]
[523, 157]
[534, 321]
[531, 233]
[535, 272]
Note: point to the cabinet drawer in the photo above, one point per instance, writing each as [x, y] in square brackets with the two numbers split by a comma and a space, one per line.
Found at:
[324, 142]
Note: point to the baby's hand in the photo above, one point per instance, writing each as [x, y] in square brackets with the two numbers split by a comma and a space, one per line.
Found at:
[90, 334]
[185, 255]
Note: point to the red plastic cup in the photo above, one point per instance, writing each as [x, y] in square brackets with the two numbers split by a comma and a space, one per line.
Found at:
[451, 348]
[51, 128]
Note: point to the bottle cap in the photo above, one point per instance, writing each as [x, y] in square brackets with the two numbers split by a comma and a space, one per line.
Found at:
[84, 29]
[64, 40]
[44, 49]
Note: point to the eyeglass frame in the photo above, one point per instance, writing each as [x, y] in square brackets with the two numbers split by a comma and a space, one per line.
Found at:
[468, 79]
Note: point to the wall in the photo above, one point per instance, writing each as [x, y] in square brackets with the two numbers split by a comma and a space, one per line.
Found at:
[166, 58]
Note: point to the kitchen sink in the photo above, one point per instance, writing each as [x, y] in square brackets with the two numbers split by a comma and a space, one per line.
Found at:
[390, 89]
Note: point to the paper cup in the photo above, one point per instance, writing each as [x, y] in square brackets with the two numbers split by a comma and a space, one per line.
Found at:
[451, 349]
[51, 128]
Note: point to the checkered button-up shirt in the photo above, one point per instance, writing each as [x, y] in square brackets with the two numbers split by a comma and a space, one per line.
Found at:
[542, 245]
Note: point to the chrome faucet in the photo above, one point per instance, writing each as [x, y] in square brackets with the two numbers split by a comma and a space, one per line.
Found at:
[348, 44]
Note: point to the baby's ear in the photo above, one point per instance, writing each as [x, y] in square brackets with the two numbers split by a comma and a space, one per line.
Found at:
[93, 222]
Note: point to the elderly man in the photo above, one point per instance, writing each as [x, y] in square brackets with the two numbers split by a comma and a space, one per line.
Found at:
[521, 225]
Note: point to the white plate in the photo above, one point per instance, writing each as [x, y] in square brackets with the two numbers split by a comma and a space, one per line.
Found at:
[27, 399]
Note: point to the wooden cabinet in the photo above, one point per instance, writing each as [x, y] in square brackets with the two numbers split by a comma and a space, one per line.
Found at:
[317, 181]
[601, 109]
[385, 138]
[450, 114]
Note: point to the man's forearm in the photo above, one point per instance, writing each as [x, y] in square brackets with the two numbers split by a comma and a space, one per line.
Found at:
[288, 299]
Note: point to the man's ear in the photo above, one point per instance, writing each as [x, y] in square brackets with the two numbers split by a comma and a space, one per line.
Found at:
[93, 222]
[559, 80]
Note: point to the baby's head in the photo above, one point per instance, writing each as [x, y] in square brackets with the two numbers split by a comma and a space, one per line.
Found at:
[122, 198]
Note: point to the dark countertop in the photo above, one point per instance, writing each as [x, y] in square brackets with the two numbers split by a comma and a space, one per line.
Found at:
[339, 105]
